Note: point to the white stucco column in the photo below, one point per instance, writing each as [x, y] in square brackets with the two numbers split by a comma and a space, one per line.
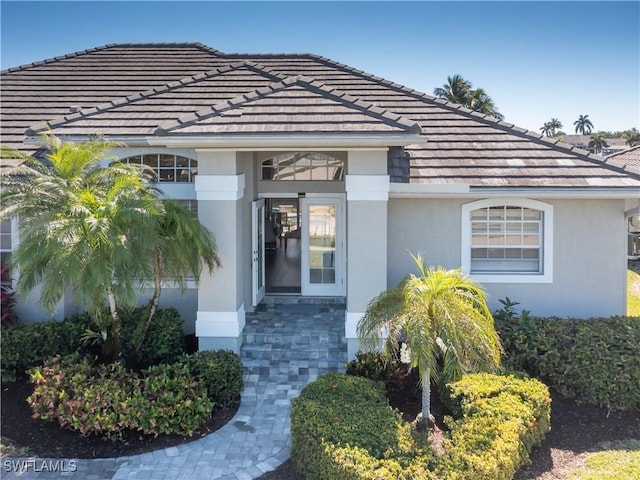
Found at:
[221, 316]
[367, 187]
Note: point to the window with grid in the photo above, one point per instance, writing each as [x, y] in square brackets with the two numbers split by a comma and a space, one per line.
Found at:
[167, 167]
[506, 239]
[303, 166]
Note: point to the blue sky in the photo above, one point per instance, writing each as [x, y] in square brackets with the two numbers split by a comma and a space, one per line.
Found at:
[537, 60]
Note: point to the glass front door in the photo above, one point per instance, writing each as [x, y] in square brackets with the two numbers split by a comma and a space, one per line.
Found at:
[258, 251]
[323, 246]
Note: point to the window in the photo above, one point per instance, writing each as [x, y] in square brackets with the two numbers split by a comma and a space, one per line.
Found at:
[507, 241]
[5, 250]
[168, 167]
[303, 166]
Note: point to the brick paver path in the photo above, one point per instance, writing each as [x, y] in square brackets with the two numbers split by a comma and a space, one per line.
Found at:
[288, 342]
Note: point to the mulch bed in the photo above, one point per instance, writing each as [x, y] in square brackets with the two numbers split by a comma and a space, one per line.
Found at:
[47, 440]
[575, 429]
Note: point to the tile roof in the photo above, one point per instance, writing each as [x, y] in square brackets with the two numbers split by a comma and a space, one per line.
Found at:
[132, 89]
[627, 159]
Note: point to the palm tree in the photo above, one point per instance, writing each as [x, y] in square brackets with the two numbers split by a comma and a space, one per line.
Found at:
[583, 125]
[483, 103]
[456, 90]
[555, 125]
[100, 230]
[84, 226]
[443, 318]
[597, 142]
[546, 129]
[632, 136]
[183, 245]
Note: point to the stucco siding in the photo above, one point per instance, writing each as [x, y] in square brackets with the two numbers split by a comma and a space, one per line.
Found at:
[589, 264]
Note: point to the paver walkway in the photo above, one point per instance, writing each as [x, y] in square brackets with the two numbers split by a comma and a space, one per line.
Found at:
[288, 342]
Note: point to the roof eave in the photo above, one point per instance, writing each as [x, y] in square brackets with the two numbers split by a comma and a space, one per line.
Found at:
[425, 190]
[279, 141]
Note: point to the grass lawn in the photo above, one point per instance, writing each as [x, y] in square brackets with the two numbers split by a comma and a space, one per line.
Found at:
[633, 293]
[616, 461]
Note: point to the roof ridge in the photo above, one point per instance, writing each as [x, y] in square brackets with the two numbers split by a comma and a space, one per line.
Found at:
[507, 126]
[78, 53]
[286, 82]
[141, 95]
[623, 152]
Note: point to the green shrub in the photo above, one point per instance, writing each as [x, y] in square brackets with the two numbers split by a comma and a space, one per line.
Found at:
[107, 399]
[163, 342]
[220, 372]
[389, 370]
[342, 428]
[28, 345]
[25, 346]
[499, 420]
[595, 361]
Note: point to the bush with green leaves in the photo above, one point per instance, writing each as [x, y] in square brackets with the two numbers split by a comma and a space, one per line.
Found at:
[108, 399]
[594, 361]
[343, 429]
[220, 371]
[397, 377]
[27, 345]
[163, 341]
[498, 420]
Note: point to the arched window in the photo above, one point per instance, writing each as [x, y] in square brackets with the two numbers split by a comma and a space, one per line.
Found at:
[168, 167]
[508, 241]
[303, 166]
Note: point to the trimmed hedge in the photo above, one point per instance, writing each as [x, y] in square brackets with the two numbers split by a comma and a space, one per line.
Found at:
[28, 345]
[107, 399]
[221, 373]
[343, 429]
[594, 361]
[499, 420]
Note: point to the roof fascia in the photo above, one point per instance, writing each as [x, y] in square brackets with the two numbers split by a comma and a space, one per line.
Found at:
[425, 190]
[269, 142]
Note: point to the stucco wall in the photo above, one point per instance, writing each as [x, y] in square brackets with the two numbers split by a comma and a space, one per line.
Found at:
[589, 265]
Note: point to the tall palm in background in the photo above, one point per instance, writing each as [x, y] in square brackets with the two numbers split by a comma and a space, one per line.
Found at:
[443, 318]
[583, 125]
[632, 137]
[597, 142]
[458, 90]
[551, 128]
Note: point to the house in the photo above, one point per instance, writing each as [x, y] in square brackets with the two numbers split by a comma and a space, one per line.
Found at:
[629, 160]
[341, 173]
[615, 144]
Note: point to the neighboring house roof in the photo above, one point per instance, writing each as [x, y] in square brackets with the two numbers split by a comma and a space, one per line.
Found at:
[627, 159]
[145, 89]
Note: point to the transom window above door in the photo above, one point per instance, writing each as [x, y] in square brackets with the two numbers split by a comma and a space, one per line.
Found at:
[303, 166]
[167, 167]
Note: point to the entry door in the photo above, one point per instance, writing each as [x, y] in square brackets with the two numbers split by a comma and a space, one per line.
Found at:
[258, 251]
[323, 256]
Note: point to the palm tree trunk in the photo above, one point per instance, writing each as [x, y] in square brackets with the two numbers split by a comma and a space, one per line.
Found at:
[426, 398]
[115, 351]
[155, 299]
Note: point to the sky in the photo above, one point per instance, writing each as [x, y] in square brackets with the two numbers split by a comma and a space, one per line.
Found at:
[537, 60]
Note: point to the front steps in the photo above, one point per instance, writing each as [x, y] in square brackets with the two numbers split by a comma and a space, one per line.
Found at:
[295, 337]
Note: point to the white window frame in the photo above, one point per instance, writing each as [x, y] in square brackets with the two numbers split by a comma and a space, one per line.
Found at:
[516, 277]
